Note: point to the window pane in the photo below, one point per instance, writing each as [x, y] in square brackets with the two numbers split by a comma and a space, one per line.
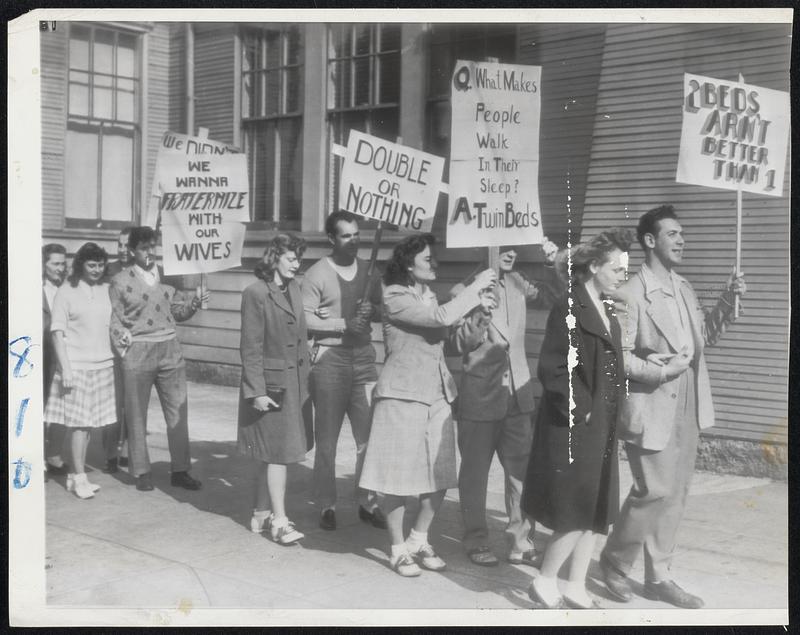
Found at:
[363, 39]
[388, 78]
[390, 37]
[117, 194]
[78, 100]
[248, 95]
[103, 80]
[273, 92]
[294, 45]
[102, 103]
[273, 41]
[103, 51]
[260, 147]
[126, 107]
[384, 123]
[291, 171]
[126, 55]
[341, 37]
[294, 90]
[249, 53]
[80, 180]
[362, 81]
[79, 48]
[341, 82]
[126, 84]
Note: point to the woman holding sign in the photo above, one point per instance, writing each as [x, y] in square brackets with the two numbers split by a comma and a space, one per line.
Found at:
[411, 451]
[572, 483]
[275, 367]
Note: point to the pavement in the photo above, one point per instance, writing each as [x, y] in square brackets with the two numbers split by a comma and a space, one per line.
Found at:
[178, 551]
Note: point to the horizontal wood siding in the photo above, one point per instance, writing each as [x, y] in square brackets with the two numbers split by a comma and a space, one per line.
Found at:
[633, 162]
[214, 79]
[53, 73]
[570, 56]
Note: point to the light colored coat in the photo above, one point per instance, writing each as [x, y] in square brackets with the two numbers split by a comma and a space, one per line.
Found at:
[414, 332]
[648, 415]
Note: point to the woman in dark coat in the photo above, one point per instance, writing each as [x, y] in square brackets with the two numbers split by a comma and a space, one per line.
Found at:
[572, 483]
[275, 365]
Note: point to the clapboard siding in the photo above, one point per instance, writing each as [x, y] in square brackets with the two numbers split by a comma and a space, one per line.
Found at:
[633, 162]
[53, 74]
[214, 52]
[570, 56]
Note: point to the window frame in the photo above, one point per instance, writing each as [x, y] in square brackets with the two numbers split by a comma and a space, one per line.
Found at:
[103, 126]
[250, 125]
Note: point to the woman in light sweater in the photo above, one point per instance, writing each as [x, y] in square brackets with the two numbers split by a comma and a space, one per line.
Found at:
[82, 393]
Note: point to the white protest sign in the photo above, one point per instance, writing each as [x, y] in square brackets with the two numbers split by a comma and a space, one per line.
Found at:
[734, 135]
[494, 155]
[389, 182]
[201, 192]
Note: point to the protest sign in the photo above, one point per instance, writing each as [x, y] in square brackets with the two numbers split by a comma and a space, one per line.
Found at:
[389, 182]
[734, 135]
[494, 155]
[201, 194]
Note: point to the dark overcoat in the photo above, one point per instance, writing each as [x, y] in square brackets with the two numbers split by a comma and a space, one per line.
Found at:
[274, 352]
[572, 481]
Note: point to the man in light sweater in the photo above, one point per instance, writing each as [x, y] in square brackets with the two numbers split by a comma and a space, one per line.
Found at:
[144, 312]
[343, 372]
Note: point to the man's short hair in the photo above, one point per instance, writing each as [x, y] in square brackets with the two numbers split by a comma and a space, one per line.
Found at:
[52, 248]
[339, 214]
[648, 222]
[126, 231]
[140, 235]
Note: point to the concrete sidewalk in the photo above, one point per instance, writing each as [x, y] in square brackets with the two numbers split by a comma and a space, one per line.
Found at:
[173, 549]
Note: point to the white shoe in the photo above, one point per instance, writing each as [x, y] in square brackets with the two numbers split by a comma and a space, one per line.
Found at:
[82, 487]
[71, 484]
[285, 534]
[427, 558]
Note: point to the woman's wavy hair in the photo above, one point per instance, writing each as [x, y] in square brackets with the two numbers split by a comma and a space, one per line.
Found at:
[87, 252]
[596, 250]
[279, 245]
[403, 257]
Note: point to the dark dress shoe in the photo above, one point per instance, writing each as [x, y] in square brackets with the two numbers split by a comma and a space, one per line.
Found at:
[144, 482]
[111, 466]
[182, 479]
[54, 470]
[374, 518]
[671, 593]
[617, 583]
[328, 520]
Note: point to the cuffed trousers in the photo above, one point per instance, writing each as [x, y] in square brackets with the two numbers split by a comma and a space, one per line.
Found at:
[161, 364]
[653, 511]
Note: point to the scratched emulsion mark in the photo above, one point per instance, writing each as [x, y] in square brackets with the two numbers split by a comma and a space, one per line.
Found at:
[572, 355]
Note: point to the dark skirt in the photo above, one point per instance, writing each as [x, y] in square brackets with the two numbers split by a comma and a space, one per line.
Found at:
[581, 494]
[273, 437]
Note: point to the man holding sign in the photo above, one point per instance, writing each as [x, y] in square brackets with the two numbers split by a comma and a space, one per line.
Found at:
[144, 312]
[495, 405]
[664, 332]
[343, 372]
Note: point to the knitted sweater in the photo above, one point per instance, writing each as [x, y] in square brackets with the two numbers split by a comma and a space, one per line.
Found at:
[148, 312]
[82, 313]
[324, 287]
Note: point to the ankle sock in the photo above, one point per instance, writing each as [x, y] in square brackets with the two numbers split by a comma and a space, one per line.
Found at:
[547, 588]
[280, 521]
[399, 550]
[416, 539]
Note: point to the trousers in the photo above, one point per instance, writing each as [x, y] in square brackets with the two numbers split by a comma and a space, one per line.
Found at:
[341, 383]
[478, 441]
[651, 514]
[161, 364]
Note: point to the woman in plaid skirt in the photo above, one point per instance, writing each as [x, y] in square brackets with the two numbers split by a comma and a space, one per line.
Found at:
[82, 393]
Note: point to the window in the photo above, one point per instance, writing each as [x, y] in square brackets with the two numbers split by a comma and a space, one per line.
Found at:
[272, 121]
[451, 42]
[363, 86]
[102, 126]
